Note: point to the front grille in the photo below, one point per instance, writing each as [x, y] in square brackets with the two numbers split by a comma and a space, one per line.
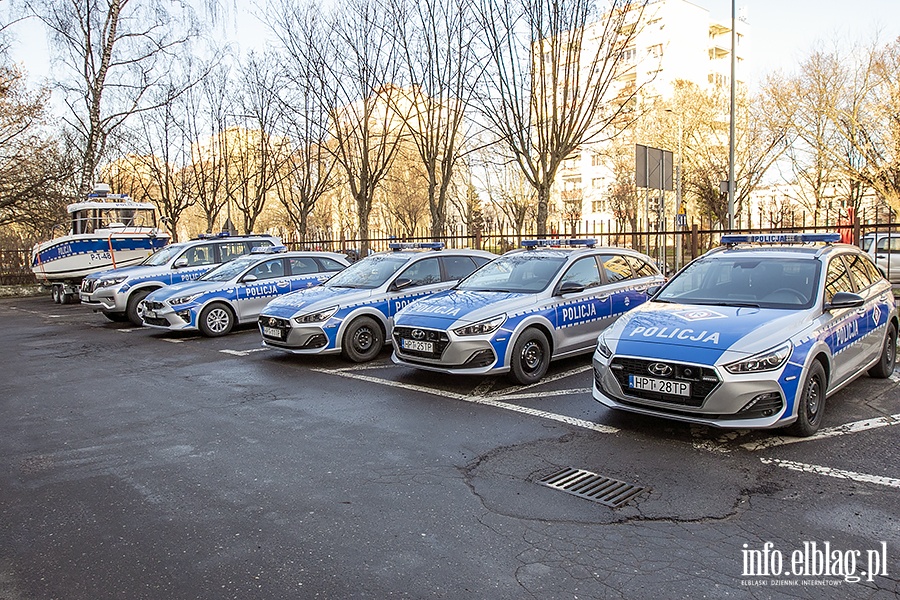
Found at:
[154, 305]
[703, 380]
[274, 322]
[439, 340]
[89, 285]
[156, 321]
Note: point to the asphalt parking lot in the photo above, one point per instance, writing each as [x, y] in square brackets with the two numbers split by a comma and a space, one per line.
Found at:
[143, 464]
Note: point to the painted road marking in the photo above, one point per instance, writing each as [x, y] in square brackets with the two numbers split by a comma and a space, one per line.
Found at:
[180, 340]
[829, 472]
[243, 352]
[543, 394]
[828, 432]
[550, 379]
[487, 401]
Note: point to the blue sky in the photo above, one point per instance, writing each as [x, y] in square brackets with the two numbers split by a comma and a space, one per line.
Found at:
[782, 31]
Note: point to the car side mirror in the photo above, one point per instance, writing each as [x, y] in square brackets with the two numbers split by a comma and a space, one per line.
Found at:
[569, 287]
[401, 283]
[249, 278]
[844, 300]
[653, 290]
[180, 263]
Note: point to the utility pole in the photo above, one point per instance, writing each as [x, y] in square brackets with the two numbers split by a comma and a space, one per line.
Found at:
[731, 124]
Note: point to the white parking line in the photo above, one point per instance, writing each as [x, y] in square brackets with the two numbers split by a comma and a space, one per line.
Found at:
[126, 330]
[829, 472]
[243, 352]
[180, 340]
[478, 400]
[550, 379]
[845, 429]
[545, 394]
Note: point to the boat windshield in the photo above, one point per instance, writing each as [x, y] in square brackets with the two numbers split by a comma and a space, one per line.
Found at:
[90, 220]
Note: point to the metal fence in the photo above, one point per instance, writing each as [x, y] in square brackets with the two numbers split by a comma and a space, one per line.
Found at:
[672, 248]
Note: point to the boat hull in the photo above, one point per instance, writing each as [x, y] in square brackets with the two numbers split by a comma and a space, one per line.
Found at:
[73, 256]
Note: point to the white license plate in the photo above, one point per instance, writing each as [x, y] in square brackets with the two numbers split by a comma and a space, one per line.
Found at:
[661, 386]
[272, 332]
[417, 345]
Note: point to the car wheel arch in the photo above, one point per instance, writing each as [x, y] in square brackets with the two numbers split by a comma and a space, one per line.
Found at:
[378, 316]
[541, 325]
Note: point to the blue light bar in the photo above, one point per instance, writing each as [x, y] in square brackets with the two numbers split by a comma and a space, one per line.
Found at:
[590, 243]
[781, 238]
[397, 246]
[268, 249]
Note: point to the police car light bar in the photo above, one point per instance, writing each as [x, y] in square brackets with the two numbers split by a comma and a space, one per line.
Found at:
[268, 249]
[531, 244]
[397, 246]
[780, 238]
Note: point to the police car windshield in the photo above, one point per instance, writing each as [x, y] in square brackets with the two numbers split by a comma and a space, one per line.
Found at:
[745, 281]
[229, 270]
[163, 255]
[369, 273]
[526, 273]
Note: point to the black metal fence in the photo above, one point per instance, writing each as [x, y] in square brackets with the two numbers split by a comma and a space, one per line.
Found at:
[673, 247]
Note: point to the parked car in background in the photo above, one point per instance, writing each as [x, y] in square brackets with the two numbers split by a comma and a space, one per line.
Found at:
[755, 334]
[236, 291]
[884, 249]
[353, 312]
[524, 309]
[118, 293]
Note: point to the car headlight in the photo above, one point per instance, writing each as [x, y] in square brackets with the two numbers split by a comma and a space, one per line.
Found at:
[183, 299]
[318, 316]
[764, 361]
[111, 281]
[603, 347]
[482, 327]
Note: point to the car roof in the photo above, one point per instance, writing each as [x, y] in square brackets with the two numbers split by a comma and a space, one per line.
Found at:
[564, 252]
[431, 252]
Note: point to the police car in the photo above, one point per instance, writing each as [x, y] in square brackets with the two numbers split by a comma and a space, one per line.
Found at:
[754, 334]
[236, 291]
[118, 293]
[524, 309]
[354, 311]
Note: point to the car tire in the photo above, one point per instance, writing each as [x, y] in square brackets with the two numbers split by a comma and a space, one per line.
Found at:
[363, 340]
[55, 294]
[115, 317]
[530, 357]
[812, 402]
[884, 368]
[133, 307]
[216, 320]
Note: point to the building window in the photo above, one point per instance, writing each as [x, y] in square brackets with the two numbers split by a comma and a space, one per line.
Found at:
[596, 160]
[597, 183]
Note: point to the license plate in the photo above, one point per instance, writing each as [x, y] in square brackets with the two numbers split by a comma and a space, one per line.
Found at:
[661, 386]
[417, 345]
[272, 332]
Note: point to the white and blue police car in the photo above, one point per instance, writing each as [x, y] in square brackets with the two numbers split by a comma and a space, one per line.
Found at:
[118, 293]
[524, 309]
[754, 334]
[353, 312]
[236, 291]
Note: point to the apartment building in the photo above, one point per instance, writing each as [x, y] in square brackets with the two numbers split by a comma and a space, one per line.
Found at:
[673, 40]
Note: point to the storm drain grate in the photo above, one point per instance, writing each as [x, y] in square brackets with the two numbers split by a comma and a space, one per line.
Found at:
[590, 486]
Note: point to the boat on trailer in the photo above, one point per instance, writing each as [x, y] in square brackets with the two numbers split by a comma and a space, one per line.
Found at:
[108, 231]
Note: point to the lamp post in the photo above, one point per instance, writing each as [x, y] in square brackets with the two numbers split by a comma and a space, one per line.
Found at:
[678, 225]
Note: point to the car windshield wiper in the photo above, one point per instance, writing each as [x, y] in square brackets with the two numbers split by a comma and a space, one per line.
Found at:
[723, 303]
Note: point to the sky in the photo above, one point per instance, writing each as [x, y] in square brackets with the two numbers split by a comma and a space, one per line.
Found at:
[782, 31]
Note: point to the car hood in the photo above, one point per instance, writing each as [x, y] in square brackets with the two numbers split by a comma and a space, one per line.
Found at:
[701, 334]
[461, 307]
[132, 271]
[314, 298]
[186, 288]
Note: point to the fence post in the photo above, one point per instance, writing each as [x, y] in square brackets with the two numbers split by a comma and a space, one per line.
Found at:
[695, 241]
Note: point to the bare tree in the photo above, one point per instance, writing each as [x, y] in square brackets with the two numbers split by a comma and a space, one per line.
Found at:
[437, 40]
[367, 110]
[309, 175]
[554, 66]
[404, 197]
[263, 151]
[114, 53]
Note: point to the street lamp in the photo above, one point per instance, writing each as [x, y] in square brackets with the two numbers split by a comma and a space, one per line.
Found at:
[678, 224]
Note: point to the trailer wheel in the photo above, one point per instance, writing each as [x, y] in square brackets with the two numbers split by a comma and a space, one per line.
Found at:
[55, 294]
